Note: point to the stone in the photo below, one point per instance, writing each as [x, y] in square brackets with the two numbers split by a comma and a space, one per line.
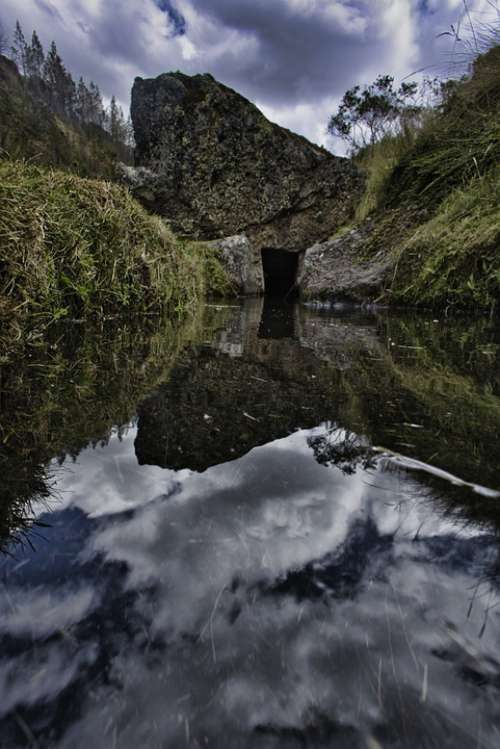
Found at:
[337, 271]
[213, 166]
[241, 263]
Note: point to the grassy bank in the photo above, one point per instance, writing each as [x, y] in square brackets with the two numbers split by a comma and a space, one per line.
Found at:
[454, 258]
[75, 248]
[434, 197]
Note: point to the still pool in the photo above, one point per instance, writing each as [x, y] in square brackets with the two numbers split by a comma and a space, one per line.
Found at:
[270, 526]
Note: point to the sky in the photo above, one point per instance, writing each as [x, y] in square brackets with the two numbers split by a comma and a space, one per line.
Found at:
[293, 58]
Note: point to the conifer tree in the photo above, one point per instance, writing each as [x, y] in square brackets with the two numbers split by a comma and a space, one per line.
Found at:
[116, 123]
[19, 50]
[35, 57]
[97, 114]
[82, 105]
[114, 120]
[4, 41]
[62, 90]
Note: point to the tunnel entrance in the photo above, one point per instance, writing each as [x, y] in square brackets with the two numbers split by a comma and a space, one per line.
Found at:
[280, 272]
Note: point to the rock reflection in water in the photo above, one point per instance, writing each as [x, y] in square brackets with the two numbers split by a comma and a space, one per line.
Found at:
[411, 386]
[296, 592]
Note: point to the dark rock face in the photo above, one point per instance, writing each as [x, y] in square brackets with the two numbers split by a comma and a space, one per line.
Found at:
[258, 382]
[217, 167]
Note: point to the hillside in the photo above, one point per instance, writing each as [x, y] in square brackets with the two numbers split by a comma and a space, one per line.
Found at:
[428, 228]
[30, 130]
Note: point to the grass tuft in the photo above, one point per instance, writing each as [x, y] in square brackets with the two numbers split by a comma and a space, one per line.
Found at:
[454, 258]
[378, 162]
[73, 247]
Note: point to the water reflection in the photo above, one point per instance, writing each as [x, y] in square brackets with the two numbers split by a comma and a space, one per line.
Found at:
[425, 388]
[240, 565]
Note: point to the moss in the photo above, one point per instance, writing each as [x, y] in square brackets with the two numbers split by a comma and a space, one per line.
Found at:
[216, 282]
[72, 247]
[341, 232]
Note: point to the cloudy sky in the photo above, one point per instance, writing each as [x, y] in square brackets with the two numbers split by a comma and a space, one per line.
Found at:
[293, 58]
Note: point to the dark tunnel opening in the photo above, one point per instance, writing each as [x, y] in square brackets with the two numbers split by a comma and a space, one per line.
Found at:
[280, 272]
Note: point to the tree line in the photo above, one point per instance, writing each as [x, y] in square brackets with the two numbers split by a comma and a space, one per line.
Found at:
[51, 81]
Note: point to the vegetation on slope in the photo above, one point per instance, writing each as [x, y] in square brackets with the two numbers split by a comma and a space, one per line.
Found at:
[73, 247]
[458, 142]
[49, 118]
[433, 192]
[454, 258]
[30, 130]
[378, 162]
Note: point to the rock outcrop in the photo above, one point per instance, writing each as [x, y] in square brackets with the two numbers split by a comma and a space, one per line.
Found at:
[242, 263]
[336, 270]
[213, 165]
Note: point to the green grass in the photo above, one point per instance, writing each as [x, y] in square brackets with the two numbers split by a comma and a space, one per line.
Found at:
[378, 162]
[433, 196]
[460, 142]
[454, 258]
[73, 247]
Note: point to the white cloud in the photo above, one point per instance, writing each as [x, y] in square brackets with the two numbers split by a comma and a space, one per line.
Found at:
[295, 58]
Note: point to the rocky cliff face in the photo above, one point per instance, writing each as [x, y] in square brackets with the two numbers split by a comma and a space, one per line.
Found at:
[214, 166]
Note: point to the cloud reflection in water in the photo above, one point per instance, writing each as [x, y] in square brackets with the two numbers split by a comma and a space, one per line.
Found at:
[271, 600]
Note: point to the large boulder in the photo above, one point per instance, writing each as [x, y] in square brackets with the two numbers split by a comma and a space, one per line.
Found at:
[241, 263]
[337, 271]
[214, 166]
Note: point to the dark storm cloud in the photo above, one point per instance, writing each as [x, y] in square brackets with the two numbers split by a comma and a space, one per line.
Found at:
[311, 49]
[299, 53]
[178, 20]
[293, 57]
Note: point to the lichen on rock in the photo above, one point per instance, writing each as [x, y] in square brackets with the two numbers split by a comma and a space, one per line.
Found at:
[216, 167]
[337, 271]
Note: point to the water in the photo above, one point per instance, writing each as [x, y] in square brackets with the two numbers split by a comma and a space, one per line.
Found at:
[268, 527]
